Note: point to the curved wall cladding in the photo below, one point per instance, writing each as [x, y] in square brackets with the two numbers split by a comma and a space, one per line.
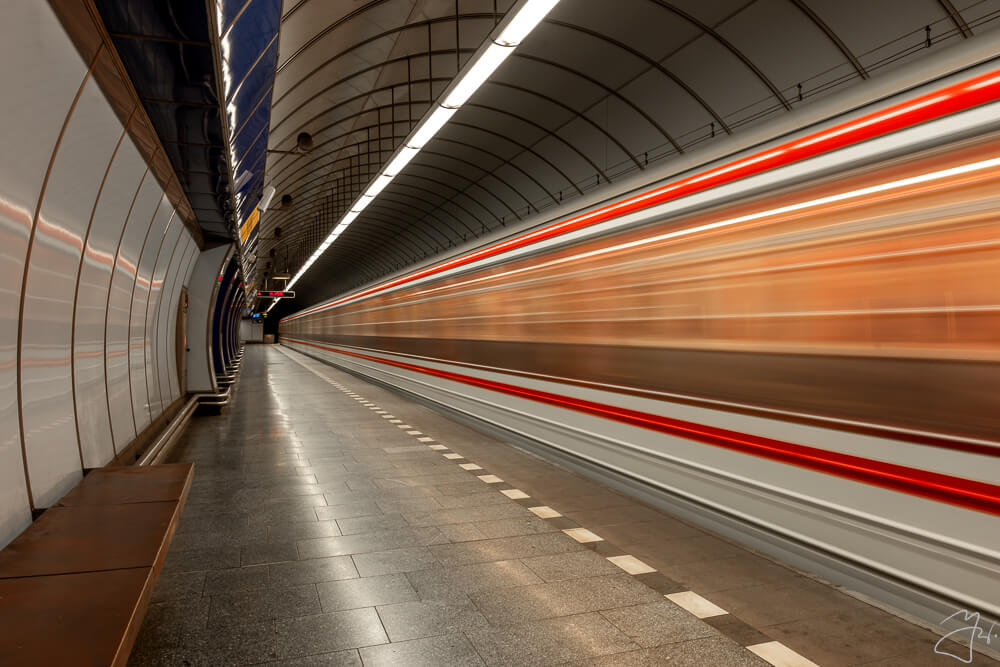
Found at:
[92, 260]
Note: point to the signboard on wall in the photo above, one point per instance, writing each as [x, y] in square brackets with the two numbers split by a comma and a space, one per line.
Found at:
[249, 225]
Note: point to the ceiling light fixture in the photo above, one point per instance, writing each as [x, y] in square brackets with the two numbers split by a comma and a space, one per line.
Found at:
[523, 19]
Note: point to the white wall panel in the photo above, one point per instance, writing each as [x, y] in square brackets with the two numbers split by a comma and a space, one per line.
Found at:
[167, 323]
[37, 62]
[92, 414]
[47, 401]
[137, 315]
[151, 338]
[119, 303]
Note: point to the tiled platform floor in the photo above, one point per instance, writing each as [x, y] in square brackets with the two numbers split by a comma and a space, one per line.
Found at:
[332, 522]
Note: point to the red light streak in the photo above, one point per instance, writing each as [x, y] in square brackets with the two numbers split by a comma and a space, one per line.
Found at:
[930, 106]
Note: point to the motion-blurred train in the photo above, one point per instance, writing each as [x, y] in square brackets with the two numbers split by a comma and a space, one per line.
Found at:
[796, 344]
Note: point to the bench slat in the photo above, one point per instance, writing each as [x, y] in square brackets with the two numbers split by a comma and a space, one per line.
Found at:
[122, 485]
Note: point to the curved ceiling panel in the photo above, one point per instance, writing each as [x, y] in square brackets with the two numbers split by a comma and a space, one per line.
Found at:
[598, 91]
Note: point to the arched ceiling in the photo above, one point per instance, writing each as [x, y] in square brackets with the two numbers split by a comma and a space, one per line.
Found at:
[600, 90]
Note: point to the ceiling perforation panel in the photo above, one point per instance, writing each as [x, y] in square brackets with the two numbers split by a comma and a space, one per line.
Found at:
[599, 90]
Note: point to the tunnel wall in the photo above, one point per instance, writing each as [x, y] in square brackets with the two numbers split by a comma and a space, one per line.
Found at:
[92, 260]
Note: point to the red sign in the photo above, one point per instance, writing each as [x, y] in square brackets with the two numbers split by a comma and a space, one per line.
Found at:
[275, 295]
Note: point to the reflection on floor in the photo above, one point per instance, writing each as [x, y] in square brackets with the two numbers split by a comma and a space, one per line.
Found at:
[332, 522]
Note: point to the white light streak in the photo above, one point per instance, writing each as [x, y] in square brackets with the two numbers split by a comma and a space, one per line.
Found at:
[758, 215]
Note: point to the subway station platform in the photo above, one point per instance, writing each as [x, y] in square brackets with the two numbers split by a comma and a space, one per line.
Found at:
[333, 522]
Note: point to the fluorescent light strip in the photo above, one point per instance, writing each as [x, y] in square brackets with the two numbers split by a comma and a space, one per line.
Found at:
[524, 22]
[476, 75]
[470, 79]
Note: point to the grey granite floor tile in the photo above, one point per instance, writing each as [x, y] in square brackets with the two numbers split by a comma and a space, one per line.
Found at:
[267, 552]
[381, 540]
[178, 586]
[238, 643]
[270, 603]
[349, 658]
[415, 504]
[505, 548]
[657, 623]
[528, 525]
[393, 561]
[236, 579]
[461, 532]
[467, 514]
[453, 650]
[368, 524]
[315, 570]
[505, 606]
[335, 631]
[572, 565]
[297, 502]
[302, 531]
[214, 558]
[181, 616]
[365, 592]
[411, 620]
[551, 641]
[711, 651]
[462, 487]
[464, 501]
[348, 510]
[234, 537]
[283, 515]
[458, 582]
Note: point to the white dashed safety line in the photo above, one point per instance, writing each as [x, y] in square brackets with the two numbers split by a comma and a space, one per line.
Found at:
[489, 479]
[631, 564]
[780, 655]
[453, 456]
[696, 604]
[515, 494]
[582, 535]
[469, 466]
[544, 512]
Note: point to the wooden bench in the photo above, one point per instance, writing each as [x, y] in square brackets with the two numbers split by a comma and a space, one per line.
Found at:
[75, 585]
